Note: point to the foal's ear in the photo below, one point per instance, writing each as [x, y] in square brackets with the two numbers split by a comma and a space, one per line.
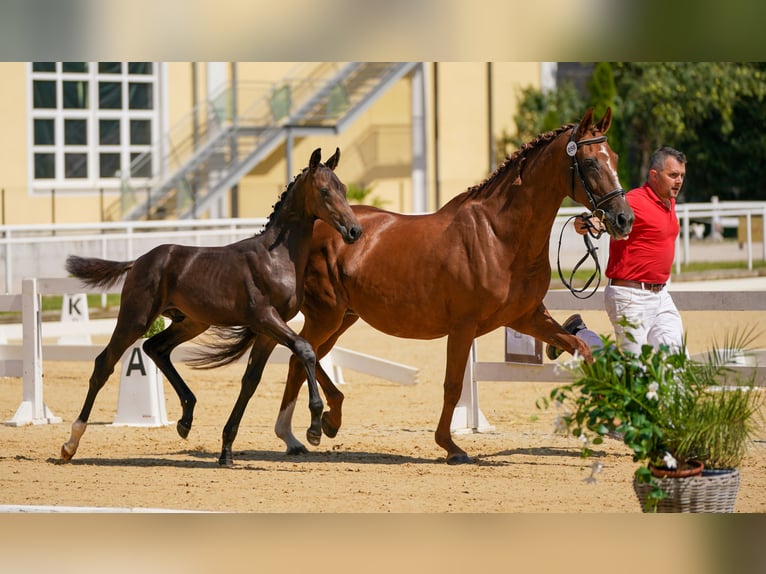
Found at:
[585, 124]
[605, 122]
[315, 159]
[332, 163]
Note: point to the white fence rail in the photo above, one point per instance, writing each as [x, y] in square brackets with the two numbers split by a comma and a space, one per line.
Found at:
[25, 360]
[468, 416]
[40, 250]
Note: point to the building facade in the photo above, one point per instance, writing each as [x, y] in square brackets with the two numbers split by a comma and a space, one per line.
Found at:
[89, 141]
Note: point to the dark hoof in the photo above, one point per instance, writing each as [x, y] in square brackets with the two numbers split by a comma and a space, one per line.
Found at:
[297, 450]
[328, 430]
[459, 459]
[183, 429]
[226, 461]
[313, 437]
[65, 456]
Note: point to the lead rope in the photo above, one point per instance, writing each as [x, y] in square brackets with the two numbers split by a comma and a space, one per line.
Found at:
[590, 252]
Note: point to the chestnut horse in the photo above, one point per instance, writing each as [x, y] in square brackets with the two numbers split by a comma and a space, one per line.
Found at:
[479, 263]
[255, 284]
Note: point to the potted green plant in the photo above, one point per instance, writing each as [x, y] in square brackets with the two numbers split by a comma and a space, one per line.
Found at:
[676, 414]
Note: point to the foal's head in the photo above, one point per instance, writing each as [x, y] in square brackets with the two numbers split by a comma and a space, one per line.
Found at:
[325, 196]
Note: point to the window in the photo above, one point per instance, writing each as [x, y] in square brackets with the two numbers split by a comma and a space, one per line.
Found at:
[89, 120]
[44, 132]
[44, 67]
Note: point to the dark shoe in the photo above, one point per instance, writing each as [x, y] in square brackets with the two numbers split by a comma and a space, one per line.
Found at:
[573, 325]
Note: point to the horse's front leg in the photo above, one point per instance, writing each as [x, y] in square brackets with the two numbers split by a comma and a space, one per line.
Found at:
[304, 353]
[259, 355]
[283, 427]
[331, 419]
[458, 349]
[542, 326]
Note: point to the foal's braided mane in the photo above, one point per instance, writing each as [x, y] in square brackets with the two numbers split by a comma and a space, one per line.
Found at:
[516, 159]
[275, 209]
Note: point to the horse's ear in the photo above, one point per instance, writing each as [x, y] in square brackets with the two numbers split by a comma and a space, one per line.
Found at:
[585, 124]
[315, 159]
[332, 163]
[605, 122]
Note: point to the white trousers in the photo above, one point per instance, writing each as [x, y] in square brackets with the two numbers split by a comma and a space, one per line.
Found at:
[655, 316]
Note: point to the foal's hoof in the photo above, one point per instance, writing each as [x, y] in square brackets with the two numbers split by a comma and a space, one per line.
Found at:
[297, 450]
[313, 437]
[183, 429]
[328, 429]
[460, 458]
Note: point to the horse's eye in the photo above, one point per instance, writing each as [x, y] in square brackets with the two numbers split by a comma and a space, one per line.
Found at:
[324, 191]
[591, 163]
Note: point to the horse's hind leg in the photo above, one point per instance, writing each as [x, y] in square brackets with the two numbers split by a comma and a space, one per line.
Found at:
[259, 354]
[159, 348]
[124, 335]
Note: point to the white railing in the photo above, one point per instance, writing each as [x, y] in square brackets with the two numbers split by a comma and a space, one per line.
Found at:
[468, 416]
[725, 214]
[25, 359]
[41, 250]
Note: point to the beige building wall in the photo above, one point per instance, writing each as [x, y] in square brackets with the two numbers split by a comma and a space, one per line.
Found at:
[376, 150]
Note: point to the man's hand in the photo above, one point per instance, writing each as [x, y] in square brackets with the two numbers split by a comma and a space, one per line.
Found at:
[586, 222]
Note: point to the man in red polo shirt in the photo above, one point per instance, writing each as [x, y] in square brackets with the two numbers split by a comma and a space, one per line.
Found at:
[639, 267]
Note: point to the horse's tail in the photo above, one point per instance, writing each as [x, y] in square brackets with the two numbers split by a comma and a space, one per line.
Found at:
[97, 272]
[230, 344]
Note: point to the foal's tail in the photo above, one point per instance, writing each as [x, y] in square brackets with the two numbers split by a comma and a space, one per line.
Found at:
[231, 344]
[97, 272]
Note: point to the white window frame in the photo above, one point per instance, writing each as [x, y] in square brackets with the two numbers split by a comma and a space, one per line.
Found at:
[93, 182]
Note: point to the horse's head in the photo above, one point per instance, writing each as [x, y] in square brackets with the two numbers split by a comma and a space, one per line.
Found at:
[326, 197]
[595, 182]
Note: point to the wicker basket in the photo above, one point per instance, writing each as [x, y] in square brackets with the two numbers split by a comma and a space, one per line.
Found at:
[703, 493]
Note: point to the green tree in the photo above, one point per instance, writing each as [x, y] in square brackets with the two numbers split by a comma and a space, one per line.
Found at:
[676, 103]
[540, 112]
[602, 94]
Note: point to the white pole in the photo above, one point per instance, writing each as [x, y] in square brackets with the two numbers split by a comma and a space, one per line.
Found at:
[32, 409]
[418, 141]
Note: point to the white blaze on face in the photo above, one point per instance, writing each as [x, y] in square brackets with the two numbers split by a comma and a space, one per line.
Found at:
[612, 168]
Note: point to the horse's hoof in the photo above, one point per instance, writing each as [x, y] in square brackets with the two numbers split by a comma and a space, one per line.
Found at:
[328, 430]
[226, 461]
[66, 456]
[183, 429]
[461, 458]
[313, 437]
[297, 450]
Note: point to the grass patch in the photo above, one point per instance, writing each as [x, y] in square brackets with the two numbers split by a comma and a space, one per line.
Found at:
[54, 302]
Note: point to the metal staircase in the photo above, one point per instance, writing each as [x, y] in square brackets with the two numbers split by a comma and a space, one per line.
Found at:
[225, 146]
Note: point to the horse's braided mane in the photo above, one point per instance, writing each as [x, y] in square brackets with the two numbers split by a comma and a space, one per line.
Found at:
[278, 205]
[515, 159]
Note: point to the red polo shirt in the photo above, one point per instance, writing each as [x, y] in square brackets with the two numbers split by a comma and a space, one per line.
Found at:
[647, 255]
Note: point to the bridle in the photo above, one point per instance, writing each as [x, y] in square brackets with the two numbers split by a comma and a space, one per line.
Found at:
[595, 205]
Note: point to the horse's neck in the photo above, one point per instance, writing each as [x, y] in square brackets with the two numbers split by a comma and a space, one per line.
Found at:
[521, 209]
[290, 230]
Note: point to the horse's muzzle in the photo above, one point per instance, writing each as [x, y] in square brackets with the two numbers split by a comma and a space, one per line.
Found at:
[351, 234]
[619, 225]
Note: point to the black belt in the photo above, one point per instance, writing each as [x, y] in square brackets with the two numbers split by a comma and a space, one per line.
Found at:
[653, 287]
